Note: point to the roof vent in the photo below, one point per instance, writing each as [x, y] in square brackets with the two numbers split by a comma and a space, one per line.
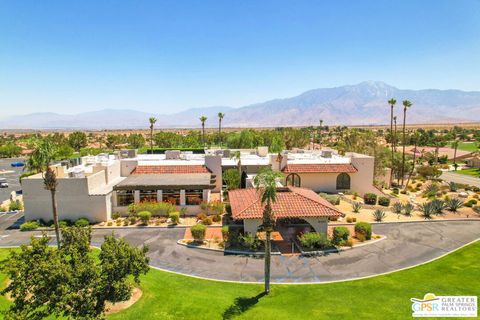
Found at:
[172, 154]
[326, 153]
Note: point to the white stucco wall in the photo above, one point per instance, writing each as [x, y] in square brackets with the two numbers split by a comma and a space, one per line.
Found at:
[73, 199]
[319, 182]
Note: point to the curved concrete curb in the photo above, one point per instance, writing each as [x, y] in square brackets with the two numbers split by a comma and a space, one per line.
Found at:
[340, 249]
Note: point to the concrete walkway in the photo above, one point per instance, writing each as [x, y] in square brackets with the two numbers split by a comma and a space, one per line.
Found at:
[451, 176]
[406, 245]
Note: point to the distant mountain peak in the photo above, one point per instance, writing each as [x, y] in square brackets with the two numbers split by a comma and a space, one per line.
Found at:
[364, 103]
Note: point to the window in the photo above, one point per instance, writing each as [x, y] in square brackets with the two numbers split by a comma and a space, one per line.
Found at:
[148, 195]
[172, 196]
[293, 180]
[343, 181]
[125, 197]
[193, 197]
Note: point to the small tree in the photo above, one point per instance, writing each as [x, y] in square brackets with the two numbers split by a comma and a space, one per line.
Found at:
[198, 232]
[69, 282]
[232, 179]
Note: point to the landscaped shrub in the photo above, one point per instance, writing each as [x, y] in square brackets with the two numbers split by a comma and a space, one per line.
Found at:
[363, 228]
[397, 208]
[408, 209]
[314, 241]
[454, 204]
[470, 203]
[340, 235]
[2, 209]
[427, 210]
[395, 190]
[29, 226]
[453, 186]
[250, 242]
[355, 195]
[351, 219]
[15, 205]
[131, 220]
[356, 206]
[201, 216]
[216, 207]
[157, 209]
[333, 199]
[145, 216]
[110, 223]
[378, 215]
[370, 198]
[198, 232]
[225, 233]
[82, 222]
[384, 201]
[116, 215]
[431, 190]
[438, 206]
[207, 221]
[429, 172]
[217, 218]
[174, 217]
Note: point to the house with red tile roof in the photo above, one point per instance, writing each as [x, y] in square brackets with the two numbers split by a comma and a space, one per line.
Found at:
[292, 202]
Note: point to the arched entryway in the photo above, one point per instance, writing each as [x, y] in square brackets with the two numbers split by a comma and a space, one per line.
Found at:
[294, 180]
[343, 181]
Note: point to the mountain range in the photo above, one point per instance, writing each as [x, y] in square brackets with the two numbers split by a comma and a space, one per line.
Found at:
[361, 104]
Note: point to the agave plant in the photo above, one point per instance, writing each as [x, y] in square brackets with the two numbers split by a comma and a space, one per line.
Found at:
[438, 206]
[454, 204]
[397, 208]
[408, 209]
[356, 206]
[379, 215]
[431, 190]
[427, 210]
[453, 186]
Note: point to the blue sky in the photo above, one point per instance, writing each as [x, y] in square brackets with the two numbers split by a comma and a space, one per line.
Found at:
[166, 56]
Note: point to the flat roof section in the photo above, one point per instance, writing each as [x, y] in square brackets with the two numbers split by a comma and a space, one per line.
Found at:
[167, 181]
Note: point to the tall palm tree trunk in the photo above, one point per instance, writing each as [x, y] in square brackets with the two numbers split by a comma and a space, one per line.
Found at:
[220, 131]
[455, 156]
[392, 145]
[268, 250]
[151, 140]
[413, 166]
[203, 134]
[403, 142]
[53, 194]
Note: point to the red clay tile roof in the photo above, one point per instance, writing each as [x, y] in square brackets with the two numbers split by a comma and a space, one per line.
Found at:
[319, 168]
[174, 169]
[291, 202]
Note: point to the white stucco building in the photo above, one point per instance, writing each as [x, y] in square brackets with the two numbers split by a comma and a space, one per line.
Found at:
[104, 184]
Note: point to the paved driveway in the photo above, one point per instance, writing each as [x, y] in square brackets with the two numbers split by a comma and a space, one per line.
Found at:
[406, 245]
[460, 178]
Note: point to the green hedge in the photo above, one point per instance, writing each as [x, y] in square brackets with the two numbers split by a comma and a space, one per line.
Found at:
[314, 241]
[364, 228]
[340, 235]
[82, 222]
[29, 226]
[370, 198]
[384, 201]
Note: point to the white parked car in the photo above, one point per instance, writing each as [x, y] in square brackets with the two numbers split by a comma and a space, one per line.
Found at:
[3, 183]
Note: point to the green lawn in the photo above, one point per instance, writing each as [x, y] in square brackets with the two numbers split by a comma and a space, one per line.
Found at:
[170, 296]
[470, 172]
[468, 146]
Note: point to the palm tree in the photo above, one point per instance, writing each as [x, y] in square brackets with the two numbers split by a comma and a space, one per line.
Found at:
[236, 155]
[406, 104]
[265, 182]
[320, 133]
[39, 161]
[455, 146]
[203, 119]
[416, 137]
[152, 121]
[50, 183]
[392, 103]
[394, 139]
[220, 118]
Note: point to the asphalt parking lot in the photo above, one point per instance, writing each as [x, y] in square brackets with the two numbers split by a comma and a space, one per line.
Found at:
[11, 174]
